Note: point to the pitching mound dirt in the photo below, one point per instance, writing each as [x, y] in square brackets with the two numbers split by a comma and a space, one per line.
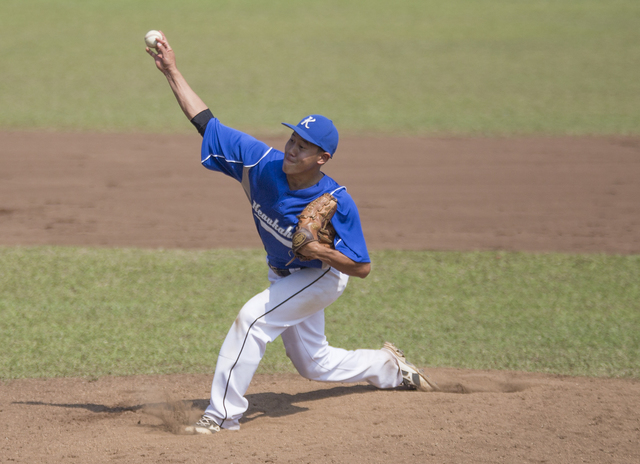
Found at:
[481, 416]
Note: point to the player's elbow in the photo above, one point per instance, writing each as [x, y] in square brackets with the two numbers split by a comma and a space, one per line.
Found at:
[363, 270]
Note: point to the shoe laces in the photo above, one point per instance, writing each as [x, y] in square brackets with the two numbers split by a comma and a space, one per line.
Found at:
[204, 422]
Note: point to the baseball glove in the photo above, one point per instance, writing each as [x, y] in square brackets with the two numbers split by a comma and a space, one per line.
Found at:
[314, 225]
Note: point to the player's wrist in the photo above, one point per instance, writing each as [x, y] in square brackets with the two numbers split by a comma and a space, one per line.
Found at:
[171, 72]
[327, 255]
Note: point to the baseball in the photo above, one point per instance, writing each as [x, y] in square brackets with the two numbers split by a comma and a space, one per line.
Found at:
[151, 39]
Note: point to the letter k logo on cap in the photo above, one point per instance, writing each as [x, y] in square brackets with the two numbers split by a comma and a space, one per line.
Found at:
[322, 132]
[305, 122]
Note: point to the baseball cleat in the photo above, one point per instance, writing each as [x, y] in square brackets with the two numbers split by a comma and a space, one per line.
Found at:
[412, 377]
[204, 426]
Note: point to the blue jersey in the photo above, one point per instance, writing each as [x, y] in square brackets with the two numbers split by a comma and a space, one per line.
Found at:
[275, 207]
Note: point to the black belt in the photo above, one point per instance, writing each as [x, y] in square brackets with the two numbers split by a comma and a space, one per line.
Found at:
[281, 272]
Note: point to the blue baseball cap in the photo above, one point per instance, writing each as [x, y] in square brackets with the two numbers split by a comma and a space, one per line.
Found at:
[318, 130]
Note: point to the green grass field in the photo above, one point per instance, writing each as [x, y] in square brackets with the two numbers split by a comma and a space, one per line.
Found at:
[404, 67]
[408, 67]
[93, 312]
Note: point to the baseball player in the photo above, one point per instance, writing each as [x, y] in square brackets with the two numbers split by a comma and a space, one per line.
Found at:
[279, 185]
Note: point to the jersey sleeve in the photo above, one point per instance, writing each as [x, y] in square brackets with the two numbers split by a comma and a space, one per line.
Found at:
[349, 236]
[228, 150]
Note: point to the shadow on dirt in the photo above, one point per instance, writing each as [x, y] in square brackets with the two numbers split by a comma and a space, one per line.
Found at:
[97, 408]
[174, 414]
[283, 404]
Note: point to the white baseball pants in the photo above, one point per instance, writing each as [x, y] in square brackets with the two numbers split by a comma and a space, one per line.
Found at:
[292, 307]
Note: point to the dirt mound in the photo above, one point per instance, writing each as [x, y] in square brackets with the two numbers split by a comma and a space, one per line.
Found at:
[481, 416]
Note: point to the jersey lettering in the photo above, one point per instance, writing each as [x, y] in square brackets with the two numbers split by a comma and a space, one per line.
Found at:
[267, 221]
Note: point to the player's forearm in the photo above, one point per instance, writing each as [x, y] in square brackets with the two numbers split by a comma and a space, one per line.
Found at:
[190, 103]
[342, 263]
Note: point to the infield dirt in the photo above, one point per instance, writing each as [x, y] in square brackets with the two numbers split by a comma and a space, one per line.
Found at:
[567, 194]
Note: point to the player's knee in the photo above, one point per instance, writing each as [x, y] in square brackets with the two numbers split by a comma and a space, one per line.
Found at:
[306, 371]
[244, 320]
[308, 368]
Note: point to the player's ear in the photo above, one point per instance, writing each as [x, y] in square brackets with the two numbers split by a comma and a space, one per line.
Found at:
[324, 157]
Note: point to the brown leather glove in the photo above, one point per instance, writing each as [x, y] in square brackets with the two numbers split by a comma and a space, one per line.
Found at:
[314, 225]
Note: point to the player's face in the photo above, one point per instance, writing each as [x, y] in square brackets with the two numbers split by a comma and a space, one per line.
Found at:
[301, 156]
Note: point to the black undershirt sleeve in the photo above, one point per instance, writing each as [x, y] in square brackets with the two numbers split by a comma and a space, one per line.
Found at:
[201, 119]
